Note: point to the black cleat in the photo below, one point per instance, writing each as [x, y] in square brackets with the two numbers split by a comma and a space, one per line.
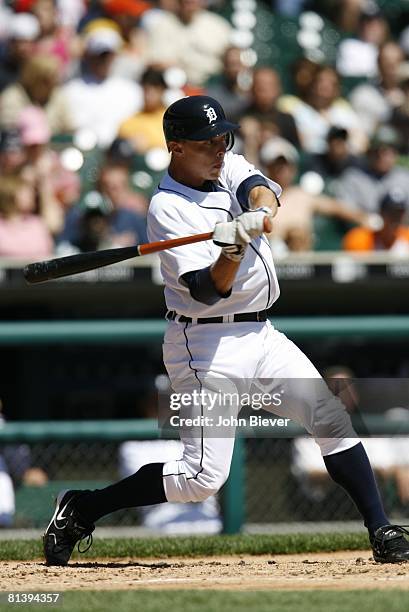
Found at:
[389, 545]
[66, 528]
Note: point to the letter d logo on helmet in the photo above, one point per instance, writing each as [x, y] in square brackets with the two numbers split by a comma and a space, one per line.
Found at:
[196, 118]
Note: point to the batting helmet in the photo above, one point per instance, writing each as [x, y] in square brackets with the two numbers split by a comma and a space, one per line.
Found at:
[196, 118]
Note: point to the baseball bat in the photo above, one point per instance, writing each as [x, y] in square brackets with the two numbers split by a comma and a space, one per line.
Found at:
[41, 271]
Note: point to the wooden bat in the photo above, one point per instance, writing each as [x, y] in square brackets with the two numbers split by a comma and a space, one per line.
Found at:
[83, 262]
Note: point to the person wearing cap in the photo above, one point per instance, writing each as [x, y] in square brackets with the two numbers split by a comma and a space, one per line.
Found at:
[219, 343]
[362, 188]
[117, 218]
[294, 224]
[38, 85]
[99, 101]
[144, 129]
[23, 30]
[393, 236]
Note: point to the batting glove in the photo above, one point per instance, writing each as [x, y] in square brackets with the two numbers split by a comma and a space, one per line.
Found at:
[242, 229]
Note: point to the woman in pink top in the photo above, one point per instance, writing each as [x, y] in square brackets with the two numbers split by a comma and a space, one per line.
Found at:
[22, 233]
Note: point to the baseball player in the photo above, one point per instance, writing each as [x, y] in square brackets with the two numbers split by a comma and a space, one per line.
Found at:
[217, 294]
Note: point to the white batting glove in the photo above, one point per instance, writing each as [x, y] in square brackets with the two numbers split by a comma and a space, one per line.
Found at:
[242, 229]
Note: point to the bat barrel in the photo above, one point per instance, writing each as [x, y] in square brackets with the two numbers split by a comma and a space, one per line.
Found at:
[40, 271]
[74, 264]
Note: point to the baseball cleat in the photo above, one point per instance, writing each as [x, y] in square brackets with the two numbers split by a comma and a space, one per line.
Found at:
[66, 528]
[389, 545]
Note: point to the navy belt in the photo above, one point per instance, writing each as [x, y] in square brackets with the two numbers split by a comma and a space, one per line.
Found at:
[242, 317]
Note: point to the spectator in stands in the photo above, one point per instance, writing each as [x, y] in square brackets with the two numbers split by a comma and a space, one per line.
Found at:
[22, 233]
[385, 454]
[100, 102]
[22, 33]
[261, 119]
[38, 86]
[144, 129]
[362, 188]
[16, 468]
[114, 183]
[54, 39]
[375, 100]
[344, 13]
[120, 153]
[71, 12]
[295, 215]
[357, 57]
[232, 87]
[7, 498]
[130, 62]
[12, 155]
[320, 109]
[113, 224]
[400, 114]
[193, 38]
[337, 157]
[93, 230]
[303, 71]
[66, 186]
[393, 236]
[41, 166]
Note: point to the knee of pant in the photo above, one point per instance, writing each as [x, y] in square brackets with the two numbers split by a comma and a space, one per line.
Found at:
[206, 485]
[332, 421]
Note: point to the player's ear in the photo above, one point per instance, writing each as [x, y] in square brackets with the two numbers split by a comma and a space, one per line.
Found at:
[175, 147]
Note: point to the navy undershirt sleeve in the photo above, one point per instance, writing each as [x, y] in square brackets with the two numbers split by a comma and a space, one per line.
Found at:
[201, 286]
[243, 190]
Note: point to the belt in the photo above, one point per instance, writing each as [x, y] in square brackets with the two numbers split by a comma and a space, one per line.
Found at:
[243, 317]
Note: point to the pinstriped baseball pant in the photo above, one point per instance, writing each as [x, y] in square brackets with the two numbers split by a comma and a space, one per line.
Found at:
[227, 356]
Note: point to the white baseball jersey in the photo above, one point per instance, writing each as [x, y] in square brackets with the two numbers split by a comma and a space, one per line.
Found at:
[200, 357]
[177, 210]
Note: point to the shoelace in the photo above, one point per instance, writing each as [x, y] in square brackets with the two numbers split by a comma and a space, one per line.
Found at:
[399, 528]
[88, 543]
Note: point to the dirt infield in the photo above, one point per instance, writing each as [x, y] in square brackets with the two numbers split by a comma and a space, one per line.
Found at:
[340, 570]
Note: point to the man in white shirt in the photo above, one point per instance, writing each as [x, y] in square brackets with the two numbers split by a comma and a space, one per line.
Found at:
[193, 39]
[219, 344]
[98, 101]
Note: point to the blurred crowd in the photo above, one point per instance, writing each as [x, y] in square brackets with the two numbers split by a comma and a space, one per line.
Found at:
[83, 88]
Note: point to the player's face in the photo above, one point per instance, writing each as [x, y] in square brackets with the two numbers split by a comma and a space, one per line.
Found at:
[201, 160]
